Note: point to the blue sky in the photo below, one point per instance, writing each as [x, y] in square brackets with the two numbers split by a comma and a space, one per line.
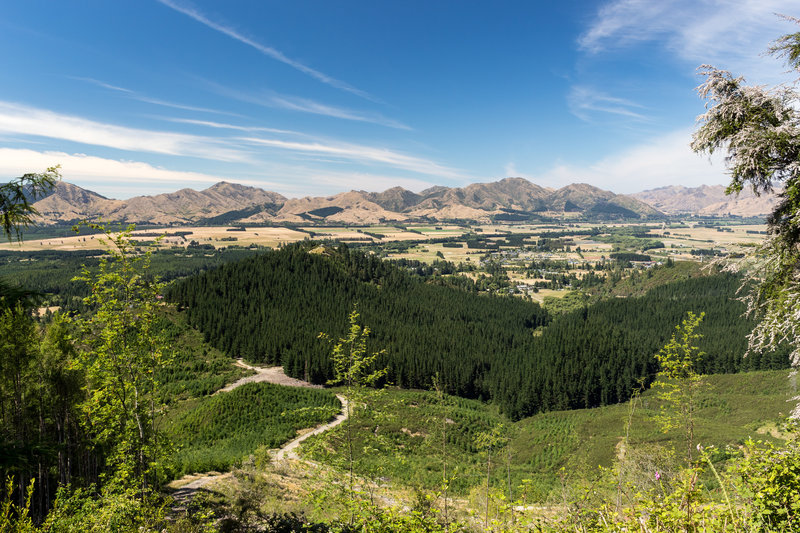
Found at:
[317, 97]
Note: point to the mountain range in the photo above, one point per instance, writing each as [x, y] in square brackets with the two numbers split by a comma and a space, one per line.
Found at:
[510, 199]
[707, 200]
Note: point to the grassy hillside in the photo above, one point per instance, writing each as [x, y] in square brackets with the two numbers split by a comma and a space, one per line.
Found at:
[733, 407]
[196, 369]
[217, 432]
[638, 282]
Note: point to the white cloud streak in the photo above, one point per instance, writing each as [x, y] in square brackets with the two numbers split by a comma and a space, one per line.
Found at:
[225, 126]
[110, 177]
[268, 51]
[148, 100]
[82, 167]
[18, 119]
[102, 84]
[361, 154]
[731, 34]
[584, 102]
[173, 105]
[304, 105]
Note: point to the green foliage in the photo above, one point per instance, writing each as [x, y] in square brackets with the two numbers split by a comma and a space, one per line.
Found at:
[408, 450]
[196, 369]
[86, 510]
[757, 490]
[625, 257]
[40, 391]
[119, 510]
[376, 519]
[729, 409]
[121, 355]
[219, 431]
[678, 383]
[354, 368]
[571, 301]
[367, 517]
[352, 364]
[13, 518]
[771, 474]
[50, 272]
[17, 198]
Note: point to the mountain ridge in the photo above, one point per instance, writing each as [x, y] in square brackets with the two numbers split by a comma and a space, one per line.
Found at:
[508, 199]
[706, 200]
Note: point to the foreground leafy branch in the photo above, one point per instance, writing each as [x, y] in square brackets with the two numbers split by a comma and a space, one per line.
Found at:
[759, 130]
[17, 198]
[122, 352]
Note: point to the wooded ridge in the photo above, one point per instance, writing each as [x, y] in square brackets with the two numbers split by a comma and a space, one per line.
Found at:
[271, 308]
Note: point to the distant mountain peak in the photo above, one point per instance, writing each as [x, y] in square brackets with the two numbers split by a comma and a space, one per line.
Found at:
[706, 200]
[227, 202]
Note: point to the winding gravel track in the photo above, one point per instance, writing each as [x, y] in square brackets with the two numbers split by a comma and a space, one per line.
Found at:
[289, 450]
[275, 374]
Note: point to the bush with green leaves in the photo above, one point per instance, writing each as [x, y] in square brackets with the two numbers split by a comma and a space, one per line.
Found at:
[771, 476]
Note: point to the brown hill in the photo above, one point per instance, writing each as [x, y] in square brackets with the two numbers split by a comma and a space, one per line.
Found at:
[707, 200]
[352, 207]
[509, 193]
[188, 205]
[225, 203]
[396, 199]
[70, 202]
[588, 199]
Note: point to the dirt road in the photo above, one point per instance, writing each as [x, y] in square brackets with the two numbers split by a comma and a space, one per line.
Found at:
[190, 484]
[288, 450]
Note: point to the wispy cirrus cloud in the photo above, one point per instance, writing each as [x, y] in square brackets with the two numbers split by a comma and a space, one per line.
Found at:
[731, 34]
[184, 107]
[303, 105]
[18, 119]
[225, 126]
[149, 100]
[190, 11]
[110, 176]
[102, 84]
[361, 154]
[584, 102]
[251, 149]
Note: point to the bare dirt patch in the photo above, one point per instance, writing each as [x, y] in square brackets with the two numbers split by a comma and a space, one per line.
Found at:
[274, 374]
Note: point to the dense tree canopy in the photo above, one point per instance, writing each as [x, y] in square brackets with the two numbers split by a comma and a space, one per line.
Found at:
[271, 308]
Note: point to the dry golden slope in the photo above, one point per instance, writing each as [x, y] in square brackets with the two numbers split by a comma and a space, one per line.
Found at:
[477, 201]
[707, 200]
